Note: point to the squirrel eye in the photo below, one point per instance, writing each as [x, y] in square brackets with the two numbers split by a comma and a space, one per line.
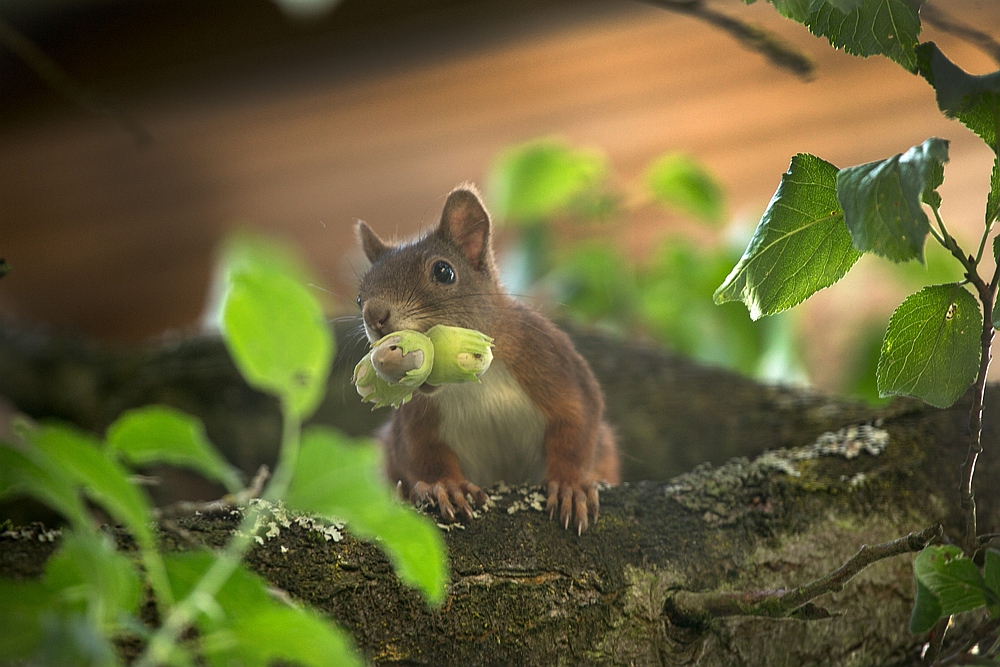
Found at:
[443, 273]
[359, 301]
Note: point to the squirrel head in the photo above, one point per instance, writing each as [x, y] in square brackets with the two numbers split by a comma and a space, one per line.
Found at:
[447, 276]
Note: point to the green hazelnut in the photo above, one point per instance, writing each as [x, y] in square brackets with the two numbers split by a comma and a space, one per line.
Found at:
[403, 357]
[374, 389]
[460, 355]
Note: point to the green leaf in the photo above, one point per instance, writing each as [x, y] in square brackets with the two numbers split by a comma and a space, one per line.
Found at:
[278, 337]
[158, 434]
[87, 569]
[882, 201]
[281, 634]
[674, 303]
[242, 592]
[995, 315]
[101, 478]
[594, 281]
[679, 181]
[931, 348]
[43, 480]
[926, 610]
[797, 10]
[541, 179]
[993, 201]
[870, 27]
[991, 577]
[338, 479]
[250, 627]
[973, 100]
[23, 604]
[953, 579]
[800, 246]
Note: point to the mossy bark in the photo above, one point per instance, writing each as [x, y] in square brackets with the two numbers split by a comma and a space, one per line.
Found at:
[526, 592]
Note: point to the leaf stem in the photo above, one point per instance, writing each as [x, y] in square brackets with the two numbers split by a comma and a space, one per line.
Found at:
[185, 612]
[987, 294]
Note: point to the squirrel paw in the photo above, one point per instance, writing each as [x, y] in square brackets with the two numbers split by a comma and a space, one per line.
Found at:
[449, 495]
[574, 500]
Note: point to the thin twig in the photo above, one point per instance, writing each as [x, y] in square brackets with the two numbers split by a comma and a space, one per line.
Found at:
[58, 79]
[781, 603]
[229, 501]
[978, 634]
[981, 40]
[936, 640]
[779, 52]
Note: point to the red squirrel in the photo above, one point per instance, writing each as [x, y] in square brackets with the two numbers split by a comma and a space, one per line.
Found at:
[536, 416]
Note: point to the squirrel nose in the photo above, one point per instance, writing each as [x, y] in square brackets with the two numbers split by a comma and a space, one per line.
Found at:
[376, 314]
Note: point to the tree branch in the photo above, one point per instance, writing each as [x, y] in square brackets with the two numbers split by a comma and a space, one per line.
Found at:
[782, 603]
[755, 38]
[58, 79]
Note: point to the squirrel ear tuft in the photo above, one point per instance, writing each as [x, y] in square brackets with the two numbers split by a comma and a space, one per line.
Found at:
[373, 246]
[466, 225]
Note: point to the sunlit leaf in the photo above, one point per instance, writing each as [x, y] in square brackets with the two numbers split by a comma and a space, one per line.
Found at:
[800, 246]
[869, 27]
[678, 181]
[931, 348]
[882, 200]
[158, 434]
[337, 478]
[277, 335]
[972, 99]
[538, 180]
[953, 579]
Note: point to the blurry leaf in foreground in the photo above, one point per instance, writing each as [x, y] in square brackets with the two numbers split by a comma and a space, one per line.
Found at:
[340, 479]
[252, 627]
[277, 334]
[158, 434]
[541, 179]
[100, 477]
[307, 9]
[680, 182]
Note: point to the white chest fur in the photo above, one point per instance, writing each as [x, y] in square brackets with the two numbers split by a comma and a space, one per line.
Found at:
[494, 428]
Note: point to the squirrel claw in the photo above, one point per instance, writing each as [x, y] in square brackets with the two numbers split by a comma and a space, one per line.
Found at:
[449, 496]
[573, 501]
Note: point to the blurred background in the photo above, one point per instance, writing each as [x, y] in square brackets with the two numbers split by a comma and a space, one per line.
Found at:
[626, 150]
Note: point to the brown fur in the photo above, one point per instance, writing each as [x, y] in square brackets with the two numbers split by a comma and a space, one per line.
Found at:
[398, 292]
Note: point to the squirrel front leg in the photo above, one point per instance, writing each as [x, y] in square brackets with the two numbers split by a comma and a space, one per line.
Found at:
[425, 467]
[570, 446]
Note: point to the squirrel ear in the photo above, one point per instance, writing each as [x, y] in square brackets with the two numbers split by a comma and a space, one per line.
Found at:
[465, 224]
[373, 246]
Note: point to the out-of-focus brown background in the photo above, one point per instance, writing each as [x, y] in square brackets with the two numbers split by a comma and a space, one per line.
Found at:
[378, 110]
